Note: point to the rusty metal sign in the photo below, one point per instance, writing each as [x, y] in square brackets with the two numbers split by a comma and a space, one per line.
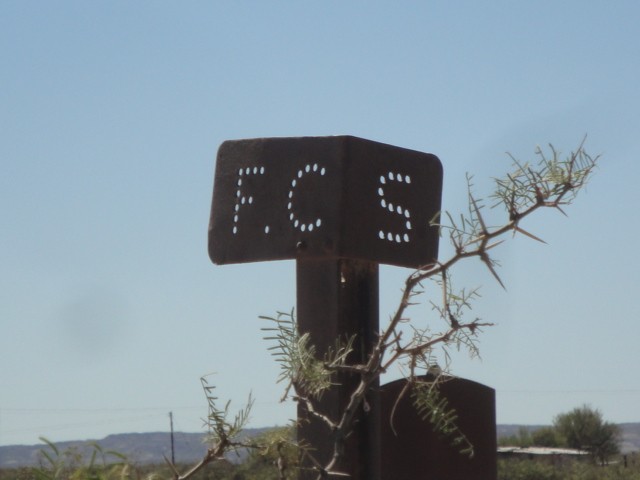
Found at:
[339, 206]
[324, 197]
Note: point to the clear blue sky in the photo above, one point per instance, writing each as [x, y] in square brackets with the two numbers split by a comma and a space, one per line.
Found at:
[111, 114]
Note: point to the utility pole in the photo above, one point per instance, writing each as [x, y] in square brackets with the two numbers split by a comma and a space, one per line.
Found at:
[173, 453]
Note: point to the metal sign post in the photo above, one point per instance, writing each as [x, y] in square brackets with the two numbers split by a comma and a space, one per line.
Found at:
[339, 206]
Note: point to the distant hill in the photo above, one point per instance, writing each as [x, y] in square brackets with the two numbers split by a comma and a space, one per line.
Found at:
[140, 448]
[511, 430]
[150, 448]
[630, 437]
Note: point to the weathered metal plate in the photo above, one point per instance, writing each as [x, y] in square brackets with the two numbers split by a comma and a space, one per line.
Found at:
[324, 197]
[412, 451]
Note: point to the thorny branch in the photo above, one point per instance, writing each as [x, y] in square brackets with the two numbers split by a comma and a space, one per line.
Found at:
[554, 183]
[222, 432]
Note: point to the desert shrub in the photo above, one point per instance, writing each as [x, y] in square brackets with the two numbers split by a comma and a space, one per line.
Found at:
[539, 469]
[527, 470]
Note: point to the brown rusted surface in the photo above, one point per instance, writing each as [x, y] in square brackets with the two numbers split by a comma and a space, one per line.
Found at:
[417, 453]
[324, 197]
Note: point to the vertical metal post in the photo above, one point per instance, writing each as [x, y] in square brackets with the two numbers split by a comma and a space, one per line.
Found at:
[338, 298]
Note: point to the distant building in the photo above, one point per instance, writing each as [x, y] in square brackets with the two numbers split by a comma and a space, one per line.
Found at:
[548, 454]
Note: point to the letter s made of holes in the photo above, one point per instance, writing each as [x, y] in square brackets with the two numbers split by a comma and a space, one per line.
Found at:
[395, 209]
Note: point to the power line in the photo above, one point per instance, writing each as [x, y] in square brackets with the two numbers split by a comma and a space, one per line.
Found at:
[553, 392]
[96, 410]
